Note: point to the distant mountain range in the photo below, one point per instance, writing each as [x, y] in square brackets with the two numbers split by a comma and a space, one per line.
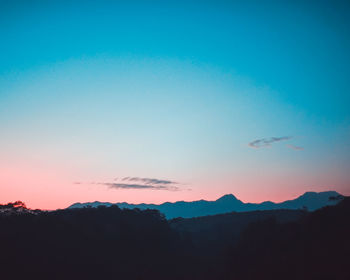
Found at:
[228, 203]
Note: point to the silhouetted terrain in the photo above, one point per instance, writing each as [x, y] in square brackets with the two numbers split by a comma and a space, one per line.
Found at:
[114, 243]
[227, 203]
[210, 230]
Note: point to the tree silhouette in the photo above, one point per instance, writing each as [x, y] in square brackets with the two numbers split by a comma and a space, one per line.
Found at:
[114, 243]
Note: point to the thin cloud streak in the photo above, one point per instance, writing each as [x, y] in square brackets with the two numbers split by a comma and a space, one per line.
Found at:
[148, 181]
[266, 142]
[140, 186]
[138, 183]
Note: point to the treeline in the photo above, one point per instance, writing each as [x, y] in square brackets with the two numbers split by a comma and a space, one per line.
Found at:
[114, 243]
[315, 247]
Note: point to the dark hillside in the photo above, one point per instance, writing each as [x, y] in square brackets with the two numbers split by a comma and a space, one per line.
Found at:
[90, 243]
[114, 243]
[210, 231]
[315, 247]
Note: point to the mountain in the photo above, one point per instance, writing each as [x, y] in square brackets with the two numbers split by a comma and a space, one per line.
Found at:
[227, 203]
[102, 242]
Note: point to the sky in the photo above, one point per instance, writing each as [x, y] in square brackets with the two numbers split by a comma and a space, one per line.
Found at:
[154, 101]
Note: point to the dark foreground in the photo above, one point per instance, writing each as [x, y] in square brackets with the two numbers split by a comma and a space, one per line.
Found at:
[110, 243]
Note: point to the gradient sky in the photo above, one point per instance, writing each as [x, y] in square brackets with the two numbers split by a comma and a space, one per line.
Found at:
[99, 97]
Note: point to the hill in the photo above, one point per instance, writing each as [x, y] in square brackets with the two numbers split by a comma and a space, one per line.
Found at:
[227, 203]
[113, 243]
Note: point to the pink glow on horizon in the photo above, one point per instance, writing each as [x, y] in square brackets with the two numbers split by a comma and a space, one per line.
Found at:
[52, 188]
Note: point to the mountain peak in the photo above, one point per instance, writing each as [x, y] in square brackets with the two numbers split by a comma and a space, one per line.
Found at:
[227, 197]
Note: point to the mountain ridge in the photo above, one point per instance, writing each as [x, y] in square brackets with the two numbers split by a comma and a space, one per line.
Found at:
[225, 204]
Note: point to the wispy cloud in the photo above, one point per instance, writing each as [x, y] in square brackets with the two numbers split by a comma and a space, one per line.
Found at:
[148, 181]
[295, 148]
[266, 142]
[140, 186]
[139, 183]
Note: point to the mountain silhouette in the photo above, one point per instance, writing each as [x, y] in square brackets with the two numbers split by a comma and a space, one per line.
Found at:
[113, 243]
[228, 203]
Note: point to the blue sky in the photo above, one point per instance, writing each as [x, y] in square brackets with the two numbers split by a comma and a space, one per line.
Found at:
[95, 90]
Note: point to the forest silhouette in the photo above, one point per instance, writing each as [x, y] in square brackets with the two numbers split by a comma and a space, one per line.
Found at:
[114, 243]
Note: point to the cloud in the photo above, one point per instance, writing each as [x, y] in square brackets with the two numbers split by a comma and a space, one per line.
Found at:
[140, 186]
[139, 183]
[266, 142]
[148, 181]
[295, 148]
